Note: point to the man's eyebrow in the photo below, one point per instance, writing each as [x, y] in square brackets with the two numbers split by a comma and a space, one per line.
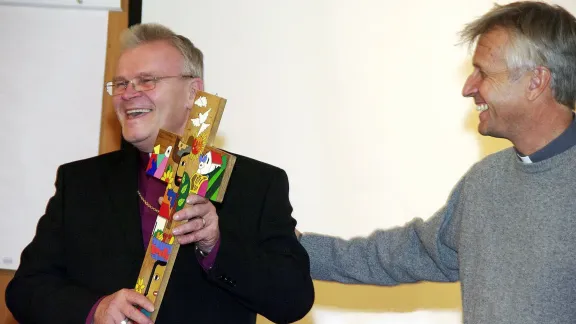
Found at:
[141, 74]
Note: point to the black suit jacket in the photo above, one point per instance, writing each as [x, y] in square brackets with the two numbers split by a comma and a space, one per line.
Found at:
[89, 244]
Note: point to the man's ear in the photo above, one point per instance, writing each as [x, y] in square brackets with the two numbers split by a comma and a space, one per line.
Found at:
[539, 81]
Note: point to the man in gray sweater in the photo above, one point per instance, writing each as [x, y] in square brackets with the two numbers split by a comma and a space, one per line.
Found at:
[508, 229]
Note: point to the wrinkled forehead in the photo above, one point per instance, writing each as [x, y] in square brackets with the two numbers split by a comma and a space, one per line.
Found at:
[491, 47]
[154, 58]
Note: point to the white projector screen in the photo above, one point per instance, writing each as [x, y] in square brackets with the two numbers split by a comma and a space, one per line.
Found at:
[51, 87]
[359, 101]
[113, 5]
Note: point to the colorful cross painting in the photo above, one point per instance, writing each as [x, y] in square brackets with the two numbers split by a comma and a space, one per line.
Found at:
[188, 165]
[208, 178]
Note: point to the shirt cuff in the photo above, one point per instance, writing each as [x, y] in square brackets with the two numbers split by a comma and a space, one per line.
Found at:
[90, 318]
[207, 262]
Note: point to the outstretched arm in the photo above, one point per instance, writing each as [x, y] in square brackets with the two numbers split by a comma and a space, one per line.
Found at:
[420, 250]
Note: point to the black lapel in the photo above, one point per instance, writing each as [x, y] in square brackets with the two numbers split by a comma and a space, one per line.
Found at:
[122, 184]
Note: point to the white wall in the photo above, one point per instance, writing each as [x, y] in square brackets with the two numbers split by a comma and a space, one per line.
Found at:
[359, 101]
[52, 64]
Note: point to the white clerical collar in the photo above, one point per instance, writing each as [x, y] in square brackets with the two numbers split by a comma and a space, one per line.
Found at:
[524, 159]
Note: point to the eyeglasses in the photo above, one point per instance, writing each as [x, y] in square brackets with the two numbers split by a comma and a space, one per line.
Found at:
[140, 83]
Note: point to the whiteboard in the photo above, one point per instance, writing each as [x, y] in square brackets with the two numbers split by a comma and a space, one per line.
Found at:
[112, 5]
[52, 66]
[359, 101]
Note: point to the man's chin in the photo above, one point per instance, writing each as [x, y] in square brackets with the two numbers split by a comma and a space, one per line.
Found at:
[490, 133]
[143, 143]
[483, 132]
[484, 128]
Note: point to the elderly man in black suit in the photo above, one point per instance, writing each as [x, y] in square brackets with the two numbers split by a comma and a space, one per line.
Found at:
[237, 258]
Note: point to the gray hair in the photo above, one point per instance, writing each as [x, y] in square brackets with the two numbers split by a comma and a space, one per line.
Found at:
[143, 33]
[540, 35]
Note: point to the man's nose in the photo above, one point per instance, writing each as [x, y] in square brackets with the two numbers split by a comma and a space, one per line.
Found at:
[470, 86]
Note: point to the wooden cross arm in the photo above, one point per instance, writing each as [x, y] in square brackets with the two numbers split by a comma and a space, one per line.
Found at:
[213, 171]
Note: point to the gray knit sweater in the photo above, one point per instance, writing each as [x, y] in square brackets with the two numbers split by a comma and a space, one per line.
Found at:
[507, 233]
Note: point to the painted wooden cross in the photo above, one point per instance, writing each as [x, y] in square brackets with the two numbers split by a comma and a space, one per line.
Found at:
[187, 164]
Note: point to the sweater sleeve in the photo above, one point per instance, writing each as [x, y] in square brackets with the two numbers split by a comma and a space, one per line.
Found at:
[419, 251]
